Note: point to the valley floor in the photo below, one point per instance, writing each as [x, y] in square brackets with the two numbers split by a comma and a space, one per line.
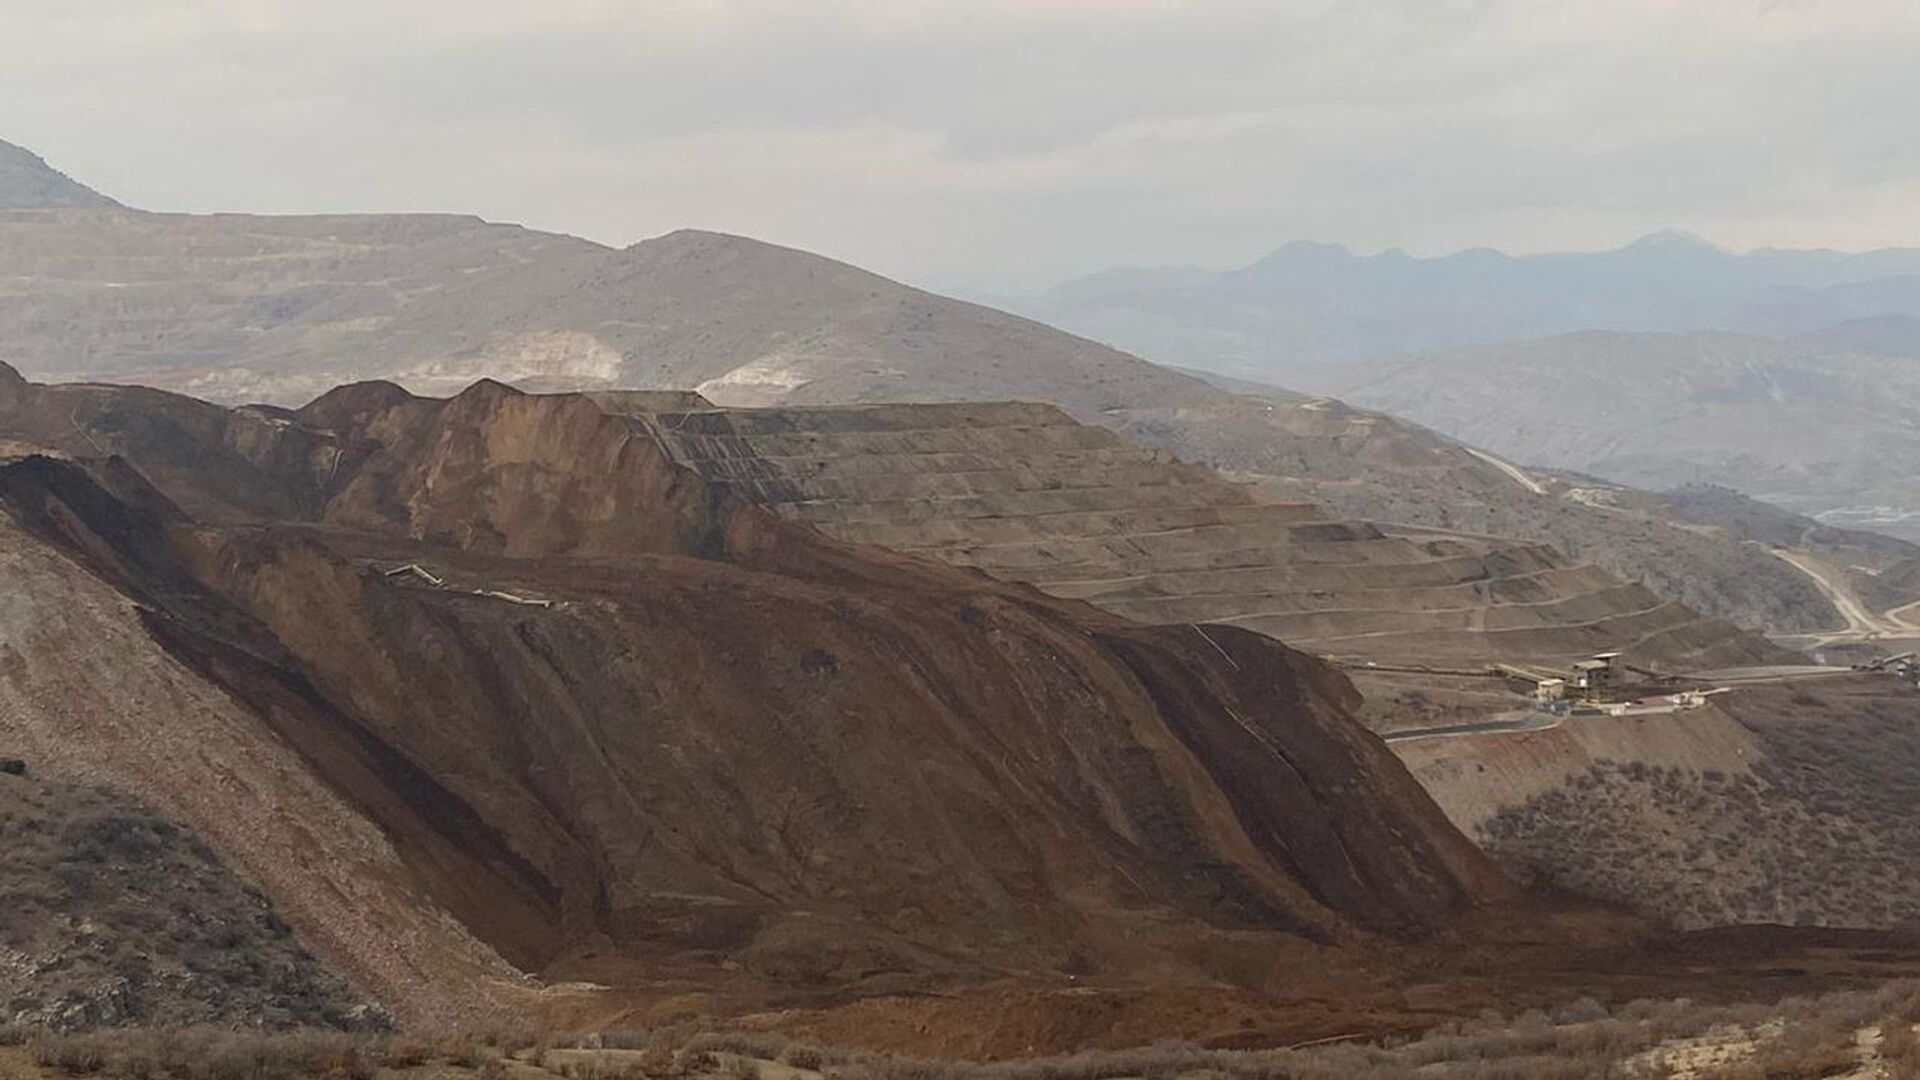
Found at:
[1850, 1035]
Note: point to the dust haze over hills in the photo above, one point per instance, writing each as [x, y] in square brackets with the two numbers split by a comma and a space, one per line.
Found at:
[1783, 373]
[248, 308]
[1308, 306]
[1814, 428]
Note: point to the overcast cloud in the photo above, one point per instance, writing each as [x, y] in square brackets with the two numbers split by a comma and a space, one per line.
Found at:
[1000, 145]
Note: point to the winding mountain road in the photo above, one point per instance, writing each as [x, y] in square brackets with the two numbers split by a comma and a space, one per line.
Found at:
[1519, 476]
[1862, 625]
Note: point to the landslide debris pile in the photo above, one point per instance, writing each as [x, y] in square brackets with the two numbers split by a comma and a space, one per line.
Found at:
[728, 753]
[1025, 493]
[116, 915]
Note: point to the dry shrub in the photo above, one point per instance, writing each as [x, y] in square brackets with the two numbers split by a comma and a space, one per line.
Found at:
[79, 1055]
[509, 1039]
[623, 1039]
[1900, 1047]
[1581, 1041]
[405, 1052]
[765, 1045]
[204, 1054]
[462, 1051]
[804, 1056]
[661, 1054]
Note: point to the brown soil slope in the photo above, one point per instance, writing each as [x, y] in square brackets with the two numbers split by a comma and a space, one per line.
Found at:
[1027, 494]
[725, 751]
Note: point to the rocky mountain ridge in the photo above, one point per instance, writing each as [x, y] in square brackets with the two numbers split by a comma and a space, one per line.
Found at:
[27, 182]
[1309, 306]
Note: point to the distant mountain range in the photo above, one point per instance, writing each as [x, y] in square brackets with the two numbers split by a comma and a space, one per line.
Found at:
[1812, 427]
[237, 308]
[1307, 306]
[1787, 374]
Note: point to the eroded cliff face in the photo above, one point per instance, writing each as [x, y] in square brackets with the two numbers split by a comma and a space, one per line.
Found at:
[631, 731]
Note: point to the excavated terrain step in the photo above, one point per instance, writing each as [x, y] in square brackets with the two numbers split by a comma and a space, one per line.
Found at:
[745, 464]
[839, 419]
[817, 444]
[1254, 568]
[962, 504]
[1202, 542]
[877, 486]
[1216, 607]
[1023, 492]
[1552, 639]
[1132, 519]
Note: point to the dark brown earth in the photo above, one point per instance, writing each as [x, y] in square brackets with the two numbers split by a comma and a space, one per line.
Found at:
[736, 766]
[733, 752]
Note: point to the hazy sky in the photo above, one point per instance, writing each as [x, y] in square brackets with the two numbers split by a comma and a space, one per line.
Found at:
[1000, 145]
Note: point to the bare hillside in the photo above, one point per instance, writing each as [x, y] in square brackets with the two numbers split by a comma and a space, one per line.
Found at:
[280, 309]
[234, 307]
[1816, 429]
[1375, 467]
[27, 182]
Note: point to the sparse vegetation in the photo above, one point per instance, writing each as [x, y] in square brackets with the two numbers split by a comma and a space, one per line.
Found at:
[1821, 832]
[1834, 1035]
[1652, 1040]
[120, 916]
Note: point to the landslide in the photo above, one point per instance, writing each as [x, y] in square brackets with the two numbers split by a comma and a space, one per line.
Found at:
[719, 751]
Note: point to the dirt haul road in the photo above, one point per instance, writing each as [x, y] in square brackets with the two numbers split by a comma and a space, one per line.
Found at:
[1861, 623]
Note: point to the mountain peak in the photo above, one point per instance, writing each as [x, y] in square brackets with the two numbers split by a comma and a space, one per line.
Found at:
[1302, 255]
[1674, 240]
[1310, 249]
[27, 182]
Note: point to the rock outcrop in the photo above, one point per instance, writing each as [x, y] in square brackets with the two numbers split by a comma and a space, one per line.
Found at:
[27, 182]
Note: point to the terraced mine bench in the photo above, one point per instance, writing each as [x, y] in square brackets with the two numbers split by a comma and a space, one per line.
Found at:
[1024, 492]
